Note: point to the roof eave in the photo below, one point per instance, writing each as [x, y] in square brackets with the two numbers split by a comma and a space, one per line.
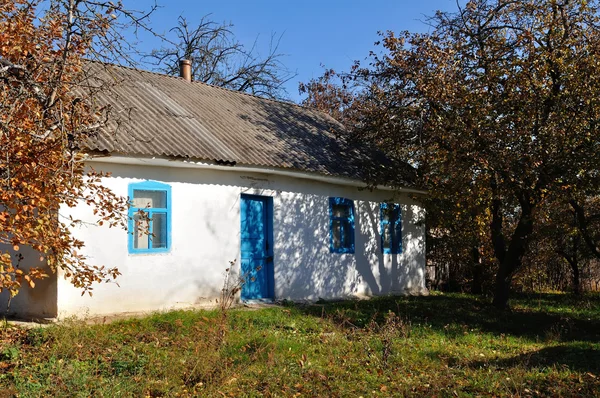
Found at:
[179, 162]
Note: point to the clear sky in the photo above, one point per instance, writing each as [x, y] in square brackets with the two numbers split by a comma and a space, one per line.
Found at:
[329, 32]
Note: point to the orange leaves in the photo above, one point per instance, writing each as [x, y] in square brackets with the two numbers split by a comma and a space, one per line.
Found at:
[29, 281]
[41, 125]
[12, 277]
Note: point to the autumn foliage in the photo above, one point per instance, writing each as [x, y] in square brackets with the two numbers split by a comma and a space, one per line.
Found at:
[498, 108]
[43, 124]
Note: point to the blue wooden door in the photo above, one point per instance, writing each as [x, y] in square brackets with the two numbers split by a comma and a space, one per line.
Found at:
[256, 214]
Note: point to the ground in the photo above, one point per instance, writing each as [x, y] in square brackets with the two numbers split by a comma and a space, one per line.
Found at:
[442, 345]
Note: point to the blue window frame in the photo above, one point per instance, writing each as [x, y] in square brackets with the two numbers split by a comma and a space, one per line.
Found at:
[149, 232]
[341, 225]
[391, 228]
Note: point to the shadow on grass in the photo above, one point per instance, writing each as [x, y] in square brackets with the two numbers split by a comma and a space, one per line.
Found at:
[575, 357]
[547, 317]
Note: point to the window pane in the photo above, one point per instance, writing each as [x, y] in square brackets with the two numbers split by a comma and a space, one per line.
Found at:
[385, 215]
[342, 211]
[150, 199]
[387, 239]
[398, 237]
[396, 215]
[391, 228]
[336, 234]
[140, 232]
[159, 230]
[348, 233]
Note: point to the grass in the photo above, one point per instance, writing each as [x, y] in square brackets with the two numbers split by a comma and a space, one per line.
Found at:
[442, 345]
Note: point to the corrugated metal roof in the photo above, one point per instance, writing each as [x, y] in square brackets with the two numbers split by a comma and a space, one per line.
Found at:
[159, 115]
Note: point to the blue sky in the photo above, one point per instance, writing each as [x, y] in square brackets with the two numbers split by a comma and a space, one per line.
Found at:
[333, 33]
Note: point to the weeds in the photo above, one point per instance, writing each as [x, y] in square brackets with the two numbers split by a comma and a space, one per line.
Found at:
[210, 366]
[392, 329]
[231, 287]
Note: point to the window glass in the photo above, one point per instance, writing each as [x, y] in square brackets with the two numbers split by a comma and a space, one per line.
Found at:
[339, 210]
[149, 199]
[140, 232]
[387, 238]
[159, 230]
[391, 228]
[149, 217]
[385, 215]
[341, 225]
[347, 235]
[336, 233]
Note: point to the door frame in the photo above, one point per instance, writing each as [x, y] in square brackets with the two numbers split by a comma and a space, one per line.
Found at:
[269, 264]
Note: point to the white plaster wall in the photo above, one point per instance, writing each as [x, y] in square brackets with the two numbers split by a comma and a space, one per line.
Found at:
[304, 266]
[205, 237]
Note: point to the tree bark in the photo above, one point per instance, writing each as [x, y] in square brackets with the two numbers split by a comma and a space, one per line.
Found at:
[573, 262]
[512, 262]
[502, 288]
[582, 224]
[510, 259]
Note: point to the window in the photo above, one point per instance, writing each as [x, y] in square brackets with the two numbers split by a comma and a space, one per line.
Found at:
[149, 232]
[391, 228]
[341, 225]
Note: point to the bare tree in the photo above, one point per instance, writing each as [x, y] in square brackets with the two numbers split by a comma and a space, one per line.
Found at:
[218, 58]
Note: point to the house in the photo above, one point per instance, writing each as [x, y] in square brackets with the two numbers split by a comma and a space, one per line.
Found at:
[229, 176]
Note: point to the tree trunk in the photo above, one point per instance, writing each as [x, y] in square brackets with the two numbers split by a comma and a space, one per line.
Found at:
[582, 224]
[573, 262]
[510, 258]
[512, 262]
[502, 289]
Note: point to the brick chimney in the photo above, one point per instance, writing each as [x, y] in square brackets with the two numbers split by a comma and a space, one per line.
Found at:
[185, 69]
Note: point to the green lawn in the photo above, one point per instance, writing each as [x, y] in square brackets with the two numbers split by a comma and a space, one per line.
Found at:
[442, 345]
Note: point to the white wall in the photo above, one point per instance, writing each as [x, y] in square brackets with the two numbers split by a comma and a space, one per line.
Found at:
[205, 237]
